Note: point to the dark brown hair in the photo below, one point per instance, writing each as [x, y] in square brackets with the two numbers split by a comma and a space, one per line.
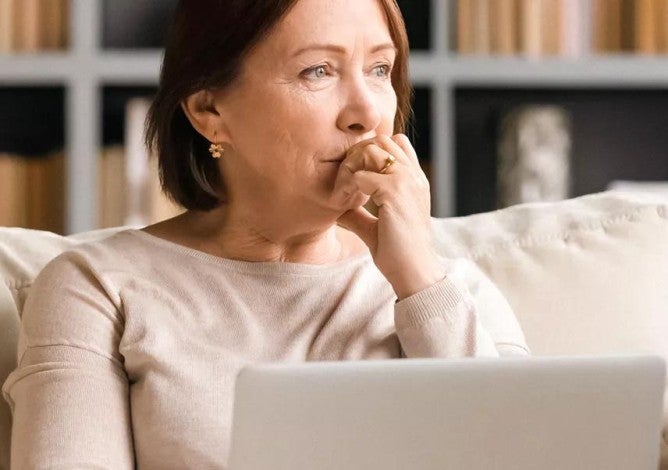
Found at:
[206, 45]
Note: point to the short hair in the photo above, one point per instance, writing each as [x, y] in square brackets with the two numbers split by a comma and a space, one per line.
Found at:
[205, 48]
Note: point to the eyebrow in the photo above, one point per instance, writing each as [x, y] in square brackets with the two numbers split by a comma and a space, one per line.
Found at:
[342, 50]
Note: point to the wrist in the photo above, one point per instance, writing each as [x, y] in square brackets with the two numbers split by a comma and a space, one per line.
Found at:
[413, 281]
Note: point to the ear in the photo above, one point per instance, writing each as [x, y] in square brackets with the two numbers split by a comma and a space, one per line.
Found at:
[200, 109]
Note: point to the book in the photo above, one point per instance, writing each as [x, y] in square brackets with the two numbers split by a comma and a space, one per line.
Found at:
[136, 162]
[662, 26]
[503, 16]
[576, 17]
[146, 203]
[465, 26]
[628, 25]
[112, 187]
[550, 25]
[481, 27]
[7, 8]
[645, 26]
[44, 192]
[32, 191]
[13, 211]
[28, 24]
[55, 24]
[33, 25]
[531, 12]
[607, 15]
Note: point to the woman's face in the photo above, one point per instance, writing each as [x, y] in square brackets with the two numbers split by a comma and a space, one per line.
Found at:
[298, 106]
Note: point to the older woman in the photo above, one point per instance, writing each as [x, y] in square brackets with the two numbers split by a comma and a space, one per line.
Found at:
[275, 122]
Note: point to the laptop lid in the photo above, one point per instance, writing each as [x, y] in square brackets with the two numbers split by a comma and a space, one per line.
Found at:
[553, 412]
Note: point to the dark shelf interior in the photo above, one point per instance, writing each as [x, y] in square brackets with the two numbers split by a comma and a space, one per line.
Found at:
[616, 134]
[419, 130]
[143, 24]
[32, 119]
[114, 99]
[135, 24]
[416, 15]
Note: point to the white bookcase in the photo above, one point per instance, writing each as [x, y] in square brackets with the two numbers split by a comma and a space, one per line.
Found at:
[85, 68]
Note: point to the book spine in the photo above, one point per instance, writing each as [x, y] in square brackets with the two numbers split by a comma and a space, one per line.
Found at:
[503, 27]
[13, 207]
[137, 170]
[7, 9]
[530, 39]
[28, 31]
[550, 22]
[481, 32]
[52, 24]
[662, 26]
[465, 26]
[645, 26]
[112, 186]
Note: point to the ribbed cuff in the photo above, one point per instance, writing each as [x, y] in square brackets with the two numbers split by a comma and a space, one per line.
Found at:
[437, 300]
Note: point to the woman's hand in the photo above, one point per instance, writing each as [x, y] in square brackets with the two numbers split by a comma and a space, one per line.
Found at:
[400, 237]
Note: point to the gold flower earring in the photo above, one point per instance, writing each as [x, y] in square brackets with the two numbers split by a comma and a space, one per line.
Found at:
[215, 149]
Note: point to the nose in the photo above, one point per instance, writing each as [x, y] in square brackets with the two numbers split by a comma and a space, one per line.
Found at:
[360, 113]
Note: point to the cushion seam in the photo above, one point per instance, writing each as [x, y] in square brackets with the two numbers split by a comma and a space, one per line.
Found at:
[527, 241]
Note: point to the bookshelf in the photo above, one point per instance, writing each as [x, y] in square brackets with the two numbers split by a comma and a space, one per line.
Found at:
[87, 68]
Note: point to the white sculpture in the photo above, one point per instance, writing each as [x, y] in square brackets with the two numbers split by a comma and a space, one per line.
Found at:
[534, 156]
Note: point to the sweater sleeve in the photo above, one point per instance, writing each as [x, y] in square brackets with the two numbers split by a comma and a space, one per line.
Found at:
[69, 394]
[463, 315]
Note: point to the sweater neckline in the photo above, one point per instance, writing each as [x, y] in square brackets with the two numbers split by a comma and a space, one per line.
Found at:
[257, 267]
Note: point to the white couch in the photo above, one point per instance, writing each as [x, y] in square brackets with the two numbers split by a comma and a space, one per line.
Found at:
[584, 276]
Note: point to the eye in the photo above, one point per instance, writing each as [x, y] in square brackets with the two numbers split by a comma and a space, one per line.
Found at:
[319, 71]
[386, 70]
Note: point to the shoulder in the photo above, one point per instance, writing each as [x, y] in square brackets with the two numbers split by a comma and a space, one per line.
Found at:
[112, 250]
[96, 263]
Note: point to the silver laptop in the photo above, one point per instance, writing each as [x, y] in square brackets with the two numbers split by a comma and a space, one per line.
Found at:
[582, 412]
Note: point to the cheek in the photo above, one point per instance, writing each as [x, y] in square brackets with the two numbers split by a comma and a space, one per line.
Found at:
[389, 112]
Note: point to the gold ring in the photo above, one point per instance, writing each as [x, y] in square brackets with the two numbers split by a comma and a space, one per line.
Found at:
[389, 161]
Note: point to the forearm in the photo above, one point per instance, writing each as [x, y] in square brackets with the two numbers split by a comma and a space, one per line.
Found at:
[70, 410]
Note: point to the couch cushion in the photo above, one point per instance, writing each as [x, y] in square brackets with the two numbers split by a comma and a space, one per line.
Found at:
[584, 276]
[9, 329]
[23, 253]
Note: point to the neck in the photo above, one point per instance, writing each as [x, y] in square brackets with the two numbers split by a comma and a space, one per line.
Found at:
[236, 236]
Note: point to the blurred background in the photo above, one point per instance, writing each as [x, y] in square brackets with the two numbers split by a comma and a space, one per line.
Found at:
[515, 101]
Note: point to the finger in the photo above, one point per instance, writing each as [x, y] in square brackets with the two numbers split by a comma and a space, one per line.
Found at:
[373, 184]
[402, 141]
[371, 158]
[388, 144]
[362, 223]
[359, 147]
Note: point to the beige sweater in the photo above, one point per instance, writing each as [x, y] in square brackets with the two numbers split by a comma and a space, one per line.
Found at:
[129, 347]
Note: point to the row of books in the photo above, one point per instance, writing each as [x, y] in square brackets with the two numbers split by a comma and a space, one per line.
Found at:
[639, 26]
[567, 28]
[130, 191]
[33, 25]
[32, 191]
[32, 188]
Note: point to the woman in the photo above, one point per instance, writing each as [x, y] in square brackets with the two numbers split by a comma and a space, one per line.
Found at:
[129, 347]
